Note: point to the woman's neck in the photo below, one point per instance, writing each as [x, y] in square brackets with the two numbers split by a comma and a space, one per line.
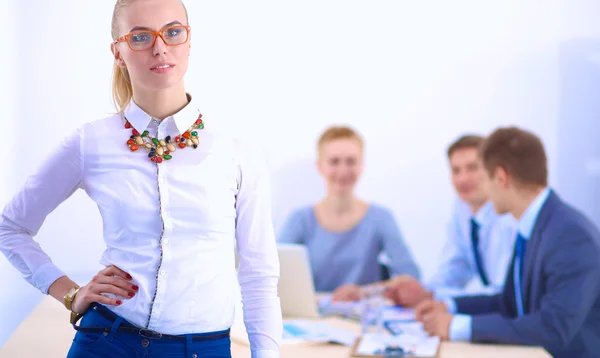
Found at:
[161, 104]
[339, 204]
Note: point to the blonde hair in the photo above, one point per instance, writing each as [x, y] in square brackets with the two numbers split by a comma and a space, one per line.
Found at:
[338, 132]
[122, 91]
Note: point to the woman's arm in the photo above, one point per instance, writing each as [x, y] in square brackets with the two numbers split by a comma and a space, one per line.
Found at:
[402, 261]
[53, 182]
[259, 263]
[294, 229]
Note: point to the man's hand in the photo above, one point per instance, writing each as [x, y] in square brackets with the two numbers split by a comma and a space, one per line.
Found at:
[406, 291]
[437, 323]
[428, 307]
[347, 292]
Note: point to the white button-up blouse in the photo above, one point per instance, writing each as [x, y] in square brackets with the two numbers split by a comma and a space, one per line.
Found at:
[173, 226]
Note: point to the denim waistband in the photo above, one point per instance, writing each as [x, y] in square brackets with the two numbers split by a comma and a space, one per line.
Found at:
[124, 326]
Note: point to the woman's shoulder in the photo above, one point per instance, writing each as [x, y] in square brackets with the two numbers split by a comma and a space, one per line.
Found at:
[382, 217]
[298, 223]
[303, 213]
[243, 148]
[100, 126]
[92, 128]
[219, 131]
[380, 211]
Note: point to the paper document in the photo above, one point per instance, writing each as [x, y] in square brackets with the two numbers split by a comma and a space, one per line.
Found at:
[349, 310]
[298, 331]
[352, 310]
[397, 313]
[415, 342]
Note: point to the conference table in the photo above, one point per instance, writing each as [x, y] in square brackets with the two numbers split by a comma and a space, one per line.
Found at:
[46, 333]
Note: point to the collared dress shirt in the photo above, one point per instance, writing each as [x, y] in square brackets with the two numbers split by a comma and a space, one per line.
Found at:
[458, 273]
[460, 326]
[172, 226]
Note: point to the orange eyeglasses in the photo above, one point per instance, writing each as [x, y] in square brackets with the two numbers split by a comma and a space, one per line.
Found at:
[145, 39]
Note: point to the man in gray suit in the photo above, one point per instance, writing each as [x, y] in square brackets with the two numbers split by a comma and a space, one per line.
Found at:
[551, 296]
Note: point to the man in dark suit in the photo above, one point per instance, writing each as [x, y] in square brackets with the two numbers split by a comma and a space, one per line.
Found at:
[551, 296]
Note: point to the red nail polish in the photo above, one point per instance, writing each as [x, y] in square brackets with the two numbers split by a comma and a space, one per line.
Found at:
[131, 294]
[129, 277]
[135, 288]
[118, 302]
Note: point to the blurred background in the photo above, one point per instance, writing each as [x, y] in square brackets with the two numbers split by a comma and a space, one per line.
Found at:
[410, 76]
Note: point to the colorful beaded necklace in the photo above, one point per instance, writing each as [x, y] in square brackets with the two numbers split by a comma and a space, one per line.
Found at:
[162, 149]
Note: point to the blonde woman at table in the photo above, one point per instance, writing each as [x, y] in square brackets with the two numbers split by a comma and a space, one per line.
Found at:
[174, 198]
[345, 235]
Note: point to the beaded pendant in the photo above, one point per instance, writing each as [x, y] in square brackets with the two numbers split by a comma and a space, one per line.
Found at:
[163, 149]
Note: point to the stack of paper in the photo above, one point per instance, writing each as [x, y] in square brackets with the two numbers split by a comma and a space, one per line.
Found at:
[349, 310]
[397, 313]
[414, 342]
[298, 331]
[352, 310]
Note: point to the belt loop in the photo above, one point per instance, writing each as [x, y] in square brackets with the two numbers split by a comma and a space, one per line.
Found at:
[188, 346]
[115, 326]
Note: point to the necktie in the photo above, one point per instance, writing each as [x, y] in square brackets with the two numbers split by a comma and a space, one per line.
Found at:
[518, 272]
[476, 254]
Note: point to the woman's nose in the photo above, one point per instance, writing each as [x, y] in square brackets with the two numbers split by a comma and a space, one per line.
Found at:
[159, 46]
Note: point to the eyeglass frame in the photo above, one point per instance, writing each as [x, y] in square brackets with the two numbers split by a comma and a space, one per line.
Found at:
[125, 38]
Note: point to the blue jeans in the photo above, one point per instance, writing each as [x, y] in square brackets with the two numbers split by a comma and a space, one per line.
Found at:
[115, 344]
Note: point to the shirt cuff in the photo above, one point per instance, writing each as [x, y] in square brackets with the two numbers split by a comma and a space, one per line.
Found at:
[45, 276]
[264, 353]
[449, 302]
[460, 328]
[439, 295]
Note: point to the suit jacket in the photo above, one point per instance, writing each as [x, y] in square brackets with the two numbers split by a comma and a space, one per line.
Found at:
[561, 289]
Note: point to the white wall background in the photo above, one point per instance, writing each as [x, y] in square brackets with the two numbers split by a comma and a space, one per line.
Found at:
[7, 89]
[410, 75]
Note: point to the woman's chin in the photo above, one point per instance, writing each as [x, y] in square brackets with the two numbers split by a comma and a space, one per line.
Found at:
[161, 83]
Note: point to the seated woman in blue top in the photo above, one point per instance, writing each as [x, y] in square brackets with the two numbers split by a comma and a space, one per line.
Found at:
[343, 234]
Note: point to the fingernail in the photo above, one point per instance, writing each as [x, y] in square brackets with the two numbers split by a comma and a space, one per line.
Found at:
[135, 288]
[119, 302]
[129, 277]
[131, 294]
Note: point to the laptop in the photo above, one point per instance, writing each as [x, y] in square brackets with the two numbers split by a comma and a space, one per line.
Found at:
[296, 290]
[296, 287]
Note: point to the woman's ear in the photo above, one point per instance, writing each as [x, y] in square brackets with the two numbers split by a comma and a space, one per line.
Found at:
[117, 55]
[319, 166]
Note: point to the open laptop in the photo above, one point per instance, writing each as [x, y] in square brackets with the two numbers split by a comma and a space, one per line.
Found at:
[296, 287]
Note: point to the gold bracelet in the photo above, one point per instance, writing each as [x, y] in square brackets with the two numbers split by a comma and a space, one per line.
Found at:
[69, 297]
[68, 300]
[75, 317]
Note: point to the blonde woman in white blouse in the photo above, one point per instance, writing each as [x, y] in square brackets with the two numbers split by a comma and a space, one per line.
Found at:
[174, 197]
